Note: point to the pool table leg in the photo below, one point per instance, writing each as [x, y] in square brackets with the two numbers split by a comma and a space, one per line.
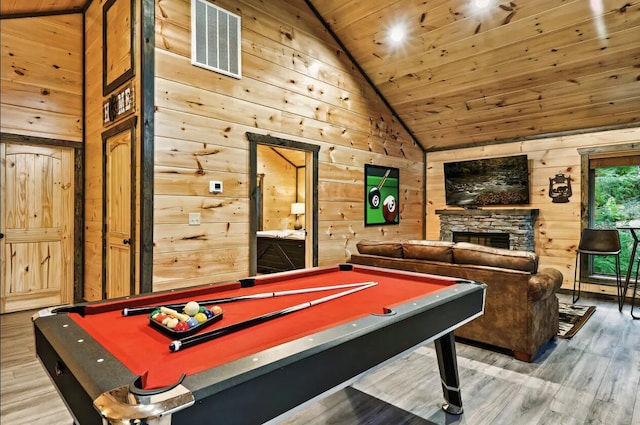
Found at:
[448, 365]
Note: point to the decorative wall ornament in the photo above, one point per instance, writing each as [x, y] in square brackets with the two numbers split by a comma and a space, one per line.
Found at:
[560, 188]
[118, 105]
[382, 192]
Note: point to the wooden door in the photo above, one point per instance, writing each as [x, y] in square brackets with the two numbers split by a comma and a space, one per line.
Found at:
[36, 262]
[118, 214]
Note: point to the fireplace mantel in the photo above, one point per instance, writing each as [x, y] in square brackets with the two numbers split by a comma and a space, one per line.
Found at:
[517, 222]
[489, 212]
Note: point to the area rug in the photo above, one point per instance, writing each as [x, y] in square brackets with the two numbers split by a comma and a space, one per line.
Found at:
[572, 317]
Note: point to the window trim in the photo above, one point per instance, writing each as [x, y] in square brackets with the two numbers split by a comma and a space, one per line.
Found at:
[608, 154]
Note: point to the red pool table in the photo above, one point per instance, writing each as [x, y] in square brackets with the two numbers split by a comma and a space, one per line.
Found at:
[106, 365]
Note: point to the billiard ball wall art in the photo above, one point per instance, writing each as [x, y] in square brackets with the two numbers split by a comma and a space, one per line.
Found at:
[381, 195]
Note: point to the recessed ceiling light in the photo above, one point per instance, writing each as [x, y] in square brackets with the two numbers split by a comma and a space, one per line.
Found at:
[314, 67]
[397, 34]
[481, 4]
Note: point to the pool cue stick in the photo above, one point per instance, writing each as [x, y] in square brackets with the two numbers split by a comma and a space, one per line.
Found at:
[217, 333]
[148, 309]
[384, 178]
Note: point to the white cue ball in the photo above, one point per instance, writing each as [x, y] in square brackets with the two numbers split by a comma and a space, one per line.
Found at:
[191, 308]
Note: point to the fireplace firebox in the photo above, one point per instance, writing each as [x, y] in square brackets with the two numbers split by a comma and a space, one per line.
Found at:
[494, 240]
[517, 225]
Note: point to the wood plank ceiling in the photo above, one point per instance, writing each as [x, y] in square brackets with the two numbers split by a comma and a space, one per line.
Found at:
[466, 76]
[39, 7]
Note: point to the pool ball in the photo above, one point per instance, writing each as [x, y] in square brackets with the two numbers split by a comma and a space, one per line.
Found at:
[216, 309]
[181, 326]
[191, 308]
[374, 197]
[389, 209]
[200, 317]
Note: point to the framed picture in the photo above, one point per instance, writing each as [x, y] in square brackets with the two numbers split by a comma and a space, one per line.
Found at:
[381, 195]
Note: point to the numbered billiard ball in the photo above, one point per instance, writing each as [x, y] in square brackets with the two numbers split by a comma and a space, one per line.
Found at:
[389, 209]
[181, 327]
[374, 198]
[200, 317]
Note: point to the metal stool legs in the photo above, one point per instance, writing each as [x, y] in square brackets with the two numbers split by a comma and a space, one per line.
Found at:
[575, 277]
[635, 291]
[620, 284]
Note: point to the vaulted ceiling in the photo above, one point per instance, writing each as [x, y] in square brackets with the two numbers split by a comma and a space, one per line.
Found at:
[467, 76]
[513, 70]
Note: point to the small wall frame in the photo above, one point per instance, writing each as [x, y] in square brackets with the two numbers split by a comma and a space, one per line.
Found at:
[118, 45]
[381, 195]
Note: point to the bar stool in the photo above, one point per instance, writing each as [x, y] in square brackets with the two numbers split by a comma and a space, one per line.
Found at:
[635, 291]
[596, 242]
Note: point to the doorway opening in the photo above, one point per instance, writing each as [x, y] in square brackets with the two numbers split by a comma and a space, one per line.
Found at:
[283, 201]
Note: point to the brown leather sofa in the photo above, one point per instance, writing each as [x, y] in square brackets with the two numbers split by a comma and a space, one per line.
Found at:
[521, 308]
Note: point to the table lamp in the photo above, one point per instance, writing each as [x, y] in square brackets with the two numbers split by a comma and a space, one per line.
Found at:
[297, 208]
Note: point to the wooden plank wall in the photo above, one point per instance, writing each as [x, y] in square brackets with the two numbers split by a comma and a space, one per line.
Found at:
[202, 117]
[93, 154]
[41, 85]
[93, 225]
[557, 231]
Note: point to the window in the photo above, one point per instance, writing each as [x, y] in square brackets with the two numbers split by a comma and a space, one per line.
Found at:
[614, 200]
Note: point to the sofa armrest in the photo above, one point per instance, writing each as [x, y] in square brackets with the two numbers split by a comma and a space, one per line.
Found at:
[543, 284]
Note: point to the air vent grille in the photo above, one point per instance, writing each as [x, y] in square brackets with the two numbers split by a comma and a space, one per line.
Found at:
[215, 39]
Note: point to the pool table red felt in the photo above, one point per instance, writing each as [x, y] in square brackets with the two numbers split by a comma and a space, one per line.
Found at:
[145, 350]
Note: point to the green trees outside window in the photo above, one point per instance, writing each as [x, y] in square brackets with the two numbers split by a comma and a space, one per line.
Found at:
[616, 203]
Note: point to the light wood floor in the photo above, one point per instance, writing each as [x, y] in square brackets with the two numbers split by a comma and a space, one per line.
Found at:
[593, 378]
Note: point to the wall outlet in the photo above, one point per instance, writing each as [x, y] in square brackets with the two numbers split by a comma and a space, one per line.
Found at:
[215, 187]
[194, 219]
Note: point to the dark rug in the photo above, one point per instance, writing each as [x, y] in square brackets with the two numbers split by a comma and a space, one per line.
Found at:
[572, 317]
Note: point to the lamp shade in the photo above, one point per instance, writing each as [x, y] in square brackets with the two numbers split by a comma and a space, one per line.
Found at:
[297, 208]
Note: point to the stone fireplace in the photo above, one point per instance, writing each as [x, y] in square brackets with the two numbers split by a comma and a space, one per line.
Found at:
[490, 227]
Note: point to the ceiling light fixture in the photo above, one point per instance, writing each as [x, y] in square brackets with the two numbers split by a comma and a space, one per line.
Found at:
[397, 34]
[314, 68]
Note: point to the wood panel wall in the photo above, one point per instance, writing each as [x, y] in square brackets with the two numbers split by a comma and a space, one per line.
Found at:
[557, 230]
[296, 85]
[41, 85]
[93, 153]
[94, 156]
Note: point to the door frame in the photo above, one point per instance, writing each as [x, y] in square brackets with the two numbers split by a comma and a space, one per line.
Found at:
[126, 125]
[78, 200]
[256, 139]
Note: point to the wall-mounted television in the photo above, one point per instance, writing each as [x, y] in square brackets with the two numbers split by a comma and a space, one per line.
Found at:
[490, 181]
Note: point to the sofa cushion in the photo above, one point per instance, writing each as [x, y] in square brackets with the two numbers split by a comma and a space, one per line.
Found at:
[383, 248]
[428, 250]
[467, 253]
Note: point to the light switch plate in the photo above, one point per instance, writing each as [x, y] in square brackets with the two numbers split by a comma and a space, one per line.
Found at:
[194, 219]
